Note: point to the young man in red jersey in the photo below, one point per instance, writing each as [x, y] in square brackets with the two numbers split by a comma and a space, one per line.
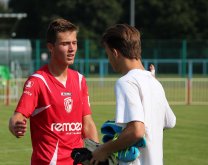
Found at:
[56, 100]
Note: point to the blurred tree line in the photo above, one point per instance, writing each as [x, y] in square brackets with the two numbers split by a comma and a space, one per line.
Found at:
[156, 19]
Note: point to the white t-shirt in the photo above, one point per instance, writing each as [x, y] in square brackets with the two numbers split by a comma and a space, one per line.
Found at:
[140, 97]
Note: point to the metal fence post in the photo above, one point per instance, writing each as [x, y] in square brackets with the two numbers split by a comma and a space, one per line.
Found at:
[87, 53]
[37, 54]
[183, 57]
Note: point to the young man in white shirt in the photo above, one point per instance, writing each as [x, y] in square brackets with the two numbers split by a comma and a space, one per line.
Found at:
[141, 106]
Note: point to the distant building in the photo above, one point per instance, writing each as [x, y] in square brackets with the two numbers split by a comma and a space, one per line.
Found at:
[17, 55]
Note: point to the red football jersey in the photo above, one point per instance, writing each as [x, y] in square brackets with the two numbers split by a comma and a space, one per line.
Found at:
[56, 114]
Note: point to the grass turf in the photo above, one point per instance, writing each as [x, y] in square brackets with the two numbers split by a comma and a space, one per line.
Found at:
[186, 144]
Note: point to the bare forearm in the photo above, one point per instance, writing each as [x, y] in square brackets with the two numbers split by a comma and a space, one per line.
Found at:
[92, 133]
[89, 129]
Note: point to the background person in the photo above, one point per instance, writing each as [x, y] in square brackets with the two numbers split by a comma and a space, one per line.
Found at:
[141, 106]
[152, 69]
[56, 100]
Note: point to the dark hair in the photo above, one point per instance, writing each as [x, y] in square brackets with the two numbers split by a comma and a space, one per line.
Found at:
[125, 39]
[59, 25]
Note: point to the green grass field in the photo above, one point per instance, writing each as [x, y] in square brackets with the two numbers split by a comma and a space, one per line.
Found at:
[186, 144]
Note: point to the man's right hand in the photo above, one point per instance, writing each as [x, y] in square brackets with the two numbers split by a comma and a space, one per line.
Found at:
[18, 125]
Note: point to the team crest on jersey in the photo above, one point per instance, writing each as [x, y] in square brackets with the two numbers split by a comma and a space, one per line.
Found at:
[29, 84]
[68, 103]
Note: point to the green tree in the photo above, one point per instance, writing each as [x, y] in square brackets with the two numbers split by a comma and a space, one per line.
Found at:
[34, 25]
[5, 25]
[201, 8]
[92, 16]
[159, 19]
[166, 19]
[174, 19]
